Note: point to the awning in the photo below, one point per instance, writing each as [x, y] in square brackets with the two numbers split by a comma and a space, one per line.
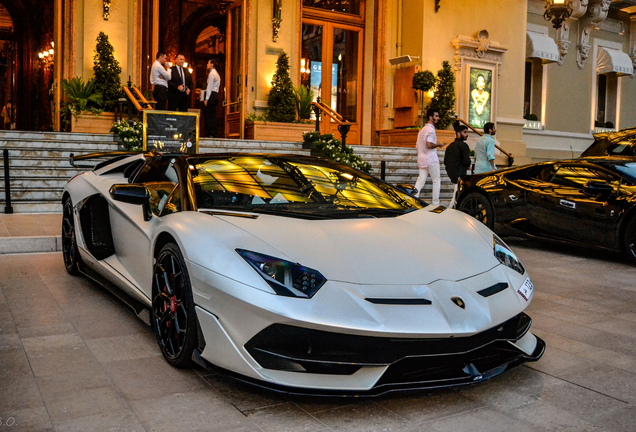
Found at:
[541, 46]
[614, 61]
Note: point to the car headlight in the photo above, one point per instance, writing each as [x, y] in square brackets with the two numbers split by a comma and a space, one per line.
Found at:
[506, 256]
[286, 278]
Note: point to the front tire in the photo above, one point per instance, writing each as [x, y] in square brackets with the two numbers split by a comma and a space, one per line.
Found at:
[70, 253]
[174, 318]
[629, 240]
[478, 206]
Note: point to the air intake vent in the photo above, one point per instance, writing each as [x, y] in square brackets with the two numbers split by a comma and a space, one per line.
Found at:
[395, 301]
[493, 289]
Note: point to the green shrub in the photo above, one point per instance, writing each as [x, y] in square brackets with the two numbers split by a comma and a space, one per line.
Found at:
[131, 136]
[304, 98]
[444, 99]
[331, 148]
[106, 70]
[424, 80]
[81, 96]
[281, 102]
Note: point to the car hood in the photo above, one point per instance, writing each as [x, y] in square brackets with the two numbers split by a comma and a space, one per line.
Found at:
[417, 248]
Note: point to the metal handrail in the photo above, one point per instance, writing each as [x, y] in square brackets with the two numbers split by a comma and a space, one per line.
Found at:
[510, 157]
[8, 209]
[339, 119]
[343, 125]
[134, 100]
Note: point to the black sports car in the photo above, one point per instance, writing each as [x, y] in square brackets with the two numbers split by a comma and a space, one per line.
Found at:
[621, 143]
[587, 200]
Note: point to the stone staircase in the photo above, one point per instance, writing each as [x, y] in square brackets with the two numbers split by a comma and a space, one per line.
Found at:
[39, 166]
[401, 167]
[39, 163]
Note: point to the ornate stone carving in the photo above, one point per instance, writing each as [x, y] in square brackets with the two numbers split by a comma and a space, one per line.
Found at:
[477, 51]
[484, 43]
[596, 13]
[579, 8]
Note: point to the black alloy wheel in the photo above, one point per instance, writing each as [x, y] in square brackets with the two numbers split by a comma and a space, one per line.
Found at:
[629, 240]
[477, 205]
[174, 318]
[69, 243]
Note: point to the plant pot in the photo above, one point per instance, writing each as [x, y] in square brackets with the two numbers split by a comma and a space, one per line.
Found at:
[92, 123]
[273, 131]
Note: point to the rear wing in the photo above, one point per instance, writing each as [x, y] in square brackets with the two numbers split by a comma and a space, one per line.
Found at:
[106, 158]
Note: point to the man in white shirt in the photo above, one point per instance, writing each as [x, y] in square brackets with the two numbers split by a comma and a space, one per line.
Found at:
[159, 78]
[212, 98]
[427, 159]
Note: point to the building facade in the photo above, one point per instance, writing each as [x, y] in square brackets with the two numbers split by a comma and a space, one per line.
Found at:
[547, 90]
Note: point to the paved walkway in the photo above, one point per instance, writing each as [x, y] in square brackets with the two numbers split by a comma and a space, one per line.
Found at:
[74, 358]
[30, 232]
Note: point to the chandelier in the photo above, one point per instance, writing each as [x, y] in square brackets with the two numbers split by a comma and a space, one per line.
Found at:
[557, 11]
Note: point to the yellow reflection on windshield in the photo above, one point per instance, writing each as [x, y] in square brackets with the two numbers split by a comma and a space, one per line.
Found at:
[253, 181]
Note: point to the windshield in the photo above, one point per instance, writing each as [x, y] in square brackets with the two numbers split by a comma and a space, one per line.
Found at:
[289, 186]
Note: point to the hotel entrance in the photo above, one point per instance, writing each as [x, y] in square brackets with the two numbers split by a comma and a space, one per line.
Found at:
[331, 60]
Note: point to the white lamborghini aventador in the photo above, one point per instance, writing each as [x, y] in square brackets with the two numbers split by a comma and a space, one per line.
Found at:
[299, 273]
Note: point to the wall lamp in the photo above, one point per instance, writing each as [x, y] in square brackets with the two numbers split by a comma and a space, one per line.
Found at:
[402, 59]
[557, 11]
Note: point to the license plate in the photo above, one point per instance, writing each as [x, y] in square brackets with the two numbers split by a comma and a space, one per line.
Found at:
[526, 289]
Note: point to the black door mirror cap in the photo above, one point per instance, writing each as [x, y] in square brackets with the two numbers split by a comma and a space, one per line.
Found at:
[133, 194]
[130, 193]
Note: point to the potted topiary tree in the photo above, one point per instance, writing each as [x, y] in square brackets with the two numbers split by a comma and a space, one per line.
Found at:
[279, 122]
[443, 86]
[107, 83]
[444, 97]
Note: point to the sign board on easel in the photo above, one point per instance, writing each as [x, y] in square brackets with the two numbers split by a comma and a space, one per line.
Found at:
[171, 132]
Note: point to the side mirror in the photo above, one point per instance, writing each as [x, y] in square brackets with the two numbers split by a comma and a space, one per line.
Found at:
[406, 188]
[596, 188]
[133, 194]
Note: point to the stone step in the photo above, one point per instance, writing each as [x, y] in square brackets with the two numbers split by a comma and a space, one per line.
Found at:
[27, 182]
[36, 148]
[43, 160]
[55, 136]
[50, 171]
[33, 194]
[35, 206]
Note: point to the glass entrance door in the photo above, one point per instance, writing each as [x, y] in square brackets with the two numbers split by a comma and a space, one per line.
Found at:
[235, 71]
[331, 67]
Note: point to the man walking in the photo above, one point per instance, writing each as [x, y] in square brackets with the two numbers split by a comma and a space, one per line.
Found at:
[159, 78]
[457, 158]
[485, 150]
[427, 159]
[212, 98]
[179, 86]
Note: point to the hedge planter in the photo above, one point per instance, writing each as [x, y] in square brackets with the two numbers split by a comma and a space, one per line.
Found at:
[272, 131]
[91, 123]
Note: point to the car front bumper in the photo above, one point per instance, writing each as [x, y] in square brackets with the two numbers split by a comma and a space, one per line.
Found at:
[306, 361]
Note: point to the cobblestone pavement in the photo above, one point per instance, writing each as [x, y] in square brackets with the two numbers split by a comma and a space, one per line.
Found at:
[74, 358]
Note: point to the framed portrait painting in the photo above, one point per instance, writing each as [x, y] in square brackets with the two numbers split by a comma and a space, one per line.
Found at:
[480, 96]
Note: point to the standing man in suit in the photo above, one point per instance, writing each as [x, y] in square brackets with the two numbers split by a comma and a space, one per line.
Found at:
[212, 98]
[179, 86]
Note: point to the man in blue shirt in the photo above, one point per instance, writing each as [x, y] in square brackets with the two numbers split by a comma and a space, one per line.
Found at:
[485, 150]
